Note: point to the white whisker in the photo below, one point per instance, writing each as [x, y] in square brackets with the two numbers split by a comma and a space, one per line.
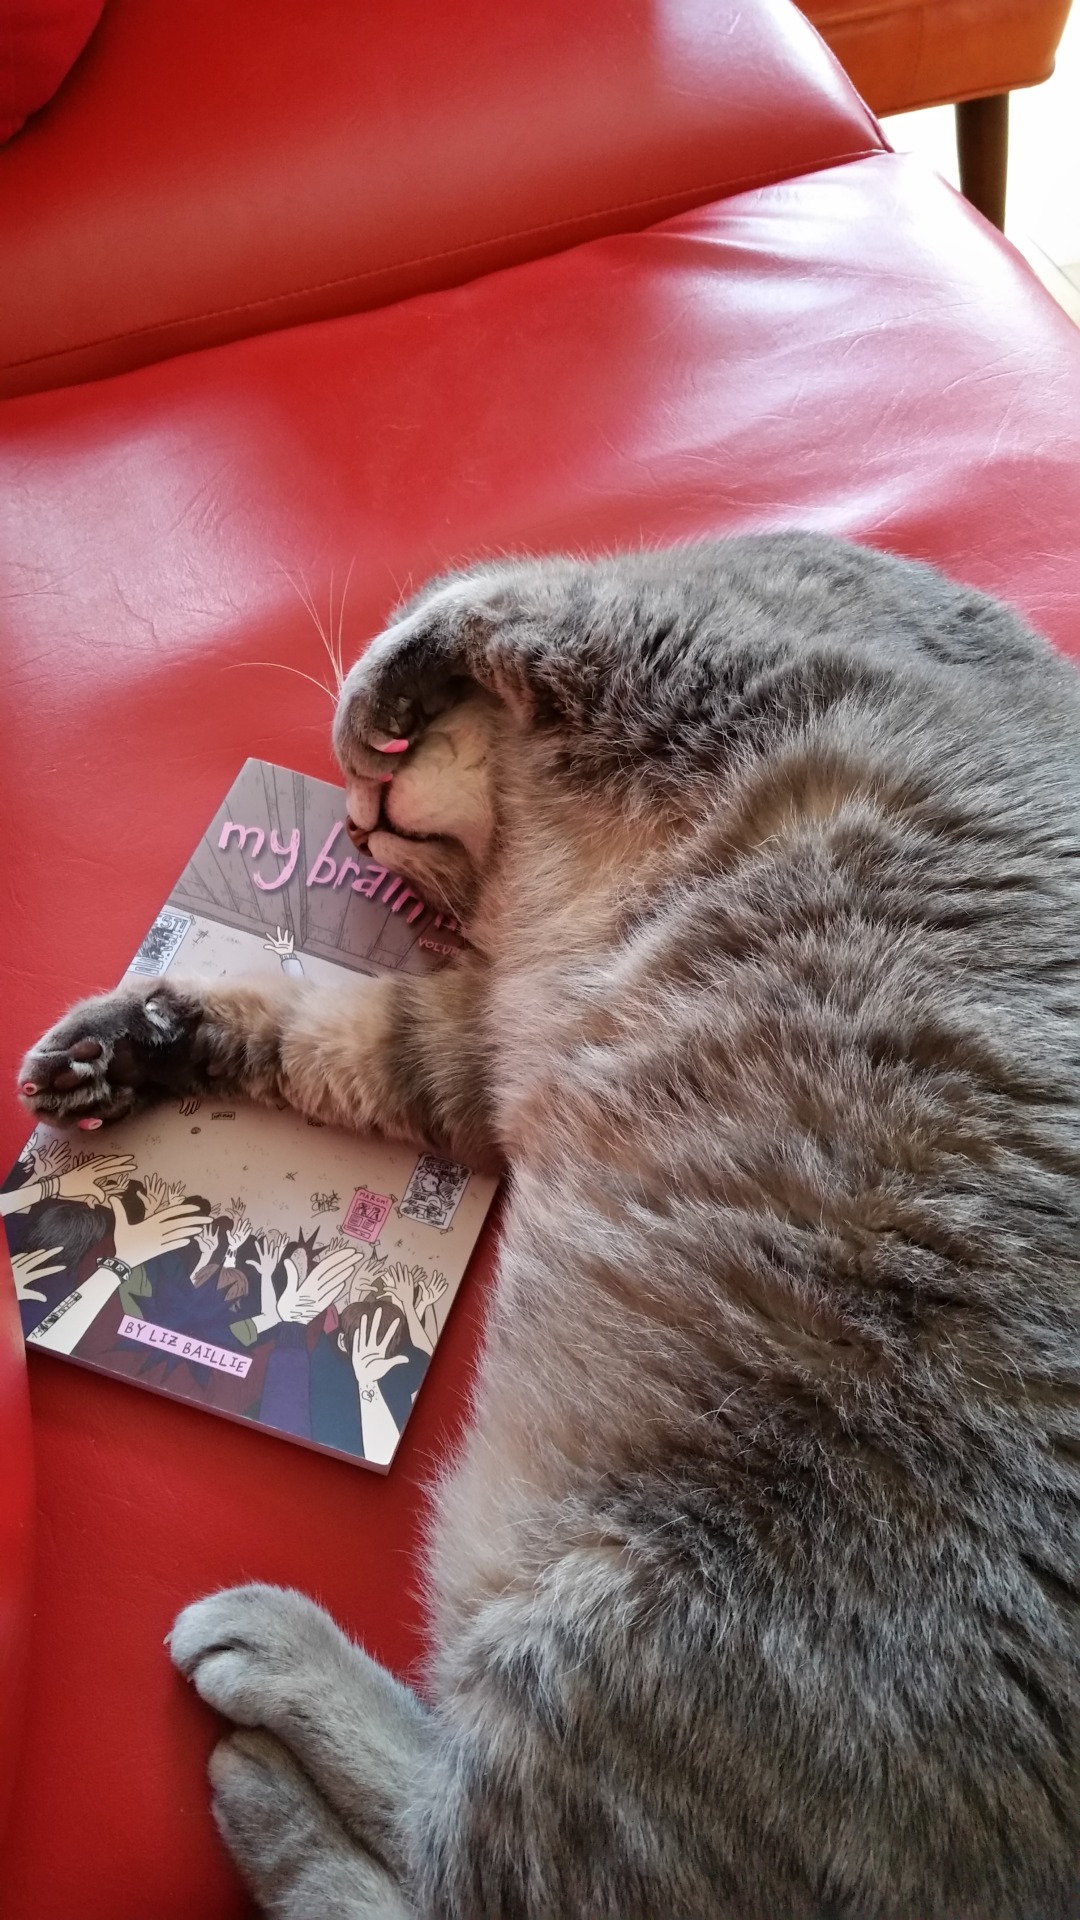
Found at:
[280, 667]
[339, 663]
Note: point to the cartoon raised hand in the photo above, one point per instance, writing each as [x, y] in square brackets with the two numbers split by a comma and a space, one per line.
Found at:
[282, 944]
[233, 1281]
[339, 1244]
[369, 1357]
[370, 1363]
[207, 1240]
[267, 1255]
[404, 1284]
[49, 1158]
[367, 1275]
[240, 1229]
[28, 1267]
[399, 1283]
[430, 1288]
[90, 1179]
[157, 1193]
[173, 1226]
[266, 1259]
[302, 1300]
[97, 1176]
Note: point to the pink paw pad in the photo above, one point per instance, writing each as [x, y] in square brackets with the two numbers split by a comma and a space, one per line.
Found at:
[88, 1125]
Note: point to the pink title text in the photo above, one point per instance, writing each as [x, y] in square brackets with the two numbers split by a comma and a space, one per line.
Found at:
[328, 869]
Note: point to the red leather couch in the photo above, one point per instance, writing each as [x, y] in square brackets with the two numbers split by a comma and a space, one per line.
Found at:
[830, 338]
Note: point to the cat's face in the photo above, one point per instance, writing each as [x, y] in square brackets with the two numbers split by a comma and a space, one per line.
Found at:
[432, 817]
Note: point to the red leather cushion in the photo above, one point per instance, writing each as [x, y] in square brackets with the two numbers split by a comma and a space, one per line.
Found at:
[849, 351]
[215, 170]
[917, 53]
[40, 41]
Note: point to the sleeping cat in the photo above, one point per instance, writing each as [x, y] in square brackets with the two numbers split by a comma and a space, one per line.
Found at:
[755, 1592]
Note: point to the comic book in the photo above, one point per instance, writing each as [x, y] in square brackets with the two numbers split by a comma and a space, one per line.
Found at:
[260, 1265]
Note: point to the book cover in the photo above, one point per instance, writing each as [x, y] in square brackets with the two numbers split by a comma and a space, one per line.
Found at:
[260, 1265]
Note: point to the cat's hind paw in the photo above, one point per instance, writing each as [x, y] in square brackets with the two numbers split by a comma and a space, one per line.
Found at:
[293, 1853]
[249, 1651]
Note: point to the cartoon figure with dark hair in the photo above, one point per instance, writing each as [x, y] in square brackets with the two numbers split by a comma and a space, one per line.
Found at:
[135, 1243]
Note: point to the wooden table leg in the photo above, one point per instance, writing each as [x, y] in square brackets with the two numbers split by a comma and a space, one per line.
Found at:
[982, 145]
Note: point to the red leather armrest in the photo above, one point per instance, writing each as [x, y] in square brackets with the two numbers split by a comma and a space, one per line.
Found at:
[16, 1511]
[217, 168]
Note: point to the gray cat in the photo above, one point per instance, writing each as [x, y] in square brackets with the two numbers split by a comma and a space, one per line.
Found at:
[755, 1592]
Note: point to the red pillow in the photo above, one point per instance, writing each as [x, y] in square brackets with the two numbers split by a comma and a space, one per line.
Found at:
[40, 41]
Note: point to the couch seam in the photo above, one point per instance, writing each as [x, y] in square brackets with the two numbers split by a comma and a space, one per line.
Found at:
[724, 189]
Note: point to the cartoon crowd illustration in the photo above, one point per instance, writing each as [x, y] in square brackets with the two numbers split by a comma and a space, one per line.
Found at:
[326, 1339]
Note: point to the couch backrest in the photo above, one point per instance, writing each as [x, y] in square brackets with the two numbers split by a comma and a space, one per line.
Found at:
[218, 168]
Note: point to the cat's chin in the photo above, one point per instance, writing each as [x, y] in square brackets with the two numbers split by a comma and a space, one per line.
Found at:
[435, 863]
[439, 869]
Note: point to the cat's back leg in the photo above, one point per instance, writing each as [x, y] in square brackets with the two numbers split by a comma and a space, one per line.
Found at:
[348, 1800]
[309, 1793]
[296, 1856]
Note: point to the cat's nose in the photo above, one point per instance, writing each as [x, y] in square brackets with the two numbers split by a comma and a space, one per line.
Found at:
[362, 801]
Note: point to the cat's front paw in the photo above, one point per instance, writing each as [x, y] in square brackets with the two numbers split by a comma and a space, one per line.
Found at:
[111, 1055]
[250, 1650]
[413, 671]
